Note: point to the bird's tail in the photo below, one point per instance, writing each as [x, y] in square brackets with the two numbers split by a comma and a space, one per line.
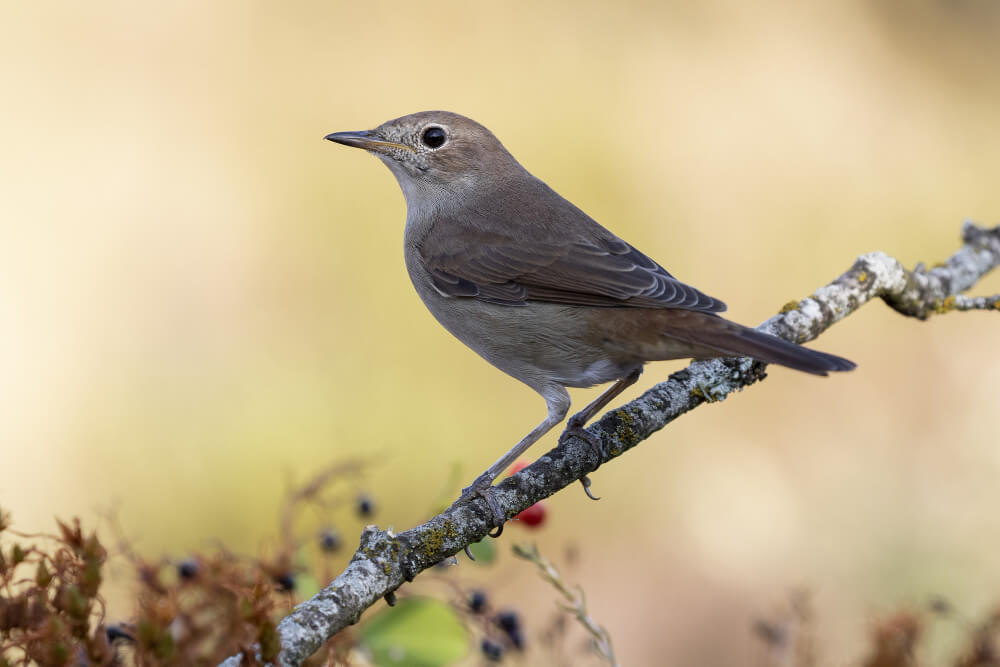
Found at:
[731, 339]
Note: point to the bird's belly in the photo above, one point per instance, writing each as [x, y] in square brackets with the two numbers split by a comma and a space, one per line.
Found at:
[538, 343]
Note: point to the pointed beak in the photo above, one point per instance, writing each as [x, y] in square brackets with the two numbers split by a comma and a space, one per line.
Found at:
[365, 139]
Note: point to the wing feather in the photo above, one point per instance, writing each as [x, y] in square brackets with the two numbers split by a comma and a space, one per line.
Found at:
[527, 256]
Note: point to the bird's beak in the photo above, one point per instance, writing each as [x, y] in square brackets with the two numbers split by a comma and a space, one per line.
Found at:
[365, 139]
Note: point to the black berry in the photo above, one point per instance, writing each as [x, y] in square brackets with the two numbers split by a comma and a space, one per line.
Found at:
[510, 623]
[492, 650]
[329, 540]
[113, 632]
[187, 569]
[286, 582]
[477, 602]
[366, 506]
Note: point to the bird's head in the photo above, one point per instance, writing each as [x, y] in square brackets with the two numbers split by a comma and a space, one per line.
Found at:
[434, 150]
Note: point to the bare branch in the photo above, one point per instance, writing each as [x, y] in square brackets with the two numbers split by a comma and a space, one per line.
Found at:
[383, 561]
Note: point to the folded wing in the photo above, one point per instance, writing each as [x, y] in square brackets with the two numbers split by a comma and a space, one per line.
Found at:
[602, 272]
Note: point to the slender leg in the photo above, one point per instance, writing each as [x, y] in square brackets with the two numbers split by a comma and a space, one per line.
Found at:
[574, 427]
[576, 423]
[557, 401]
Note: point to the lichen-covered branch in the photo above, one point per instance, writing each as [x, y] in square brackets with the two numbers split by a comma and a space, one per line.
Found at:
[385, 561]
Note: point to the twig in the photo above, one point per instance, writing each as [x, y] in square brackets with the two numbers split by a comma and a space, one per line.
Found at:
[576, 602]
[310, 492]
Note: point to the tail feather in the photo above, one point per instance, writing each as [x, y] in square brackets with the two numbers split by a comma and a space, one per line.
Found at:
[731, 339]
[774, 350]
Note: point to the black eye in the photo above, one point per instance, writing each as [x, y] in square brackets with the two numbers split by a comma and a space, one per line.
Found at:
[433, 137]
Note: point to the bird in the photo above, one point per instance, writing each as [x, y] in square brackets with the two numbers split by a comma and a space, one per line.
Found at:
[537, 287]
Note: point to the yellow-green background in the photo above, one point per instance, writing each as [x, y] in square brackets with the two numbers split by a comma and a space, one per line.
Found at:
[201, 299]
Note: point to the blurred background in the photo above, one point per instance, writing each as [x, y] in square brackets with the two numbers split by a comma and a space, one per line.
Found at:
[202, 301]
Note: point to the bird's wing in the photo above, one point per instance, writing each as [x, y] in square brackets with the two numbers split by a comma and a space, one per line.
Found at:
[520, 264]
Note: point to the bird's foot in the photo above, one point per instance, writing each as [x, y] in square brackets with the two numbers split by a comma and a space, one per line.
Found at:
[575, 428]
[483, 488]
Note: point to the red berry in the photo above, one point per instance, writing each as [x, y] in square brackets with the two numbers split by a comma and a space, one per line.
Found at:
[533, 516]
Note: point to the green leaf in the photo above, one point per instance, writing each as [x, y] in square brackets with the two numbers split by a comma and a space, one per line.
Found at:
[417, 632]
[483, 551]
[306, 586]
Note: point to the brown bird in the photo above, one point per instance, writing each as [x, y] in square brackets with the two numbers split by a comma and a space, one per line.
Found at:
[537, 287]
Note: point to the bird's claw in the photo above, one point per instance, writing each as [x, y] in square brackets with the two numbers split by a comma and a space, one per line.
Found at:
[483, 488]
[575, 429]
[585, 481]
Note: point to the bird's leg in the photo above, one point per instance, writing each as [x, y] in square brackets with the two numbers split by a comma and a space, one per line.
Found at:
[576, 423]
[558, 405]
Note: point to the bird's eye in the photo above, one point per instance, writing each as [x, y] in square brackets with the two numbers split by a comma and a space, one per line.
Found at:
[433, 137]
